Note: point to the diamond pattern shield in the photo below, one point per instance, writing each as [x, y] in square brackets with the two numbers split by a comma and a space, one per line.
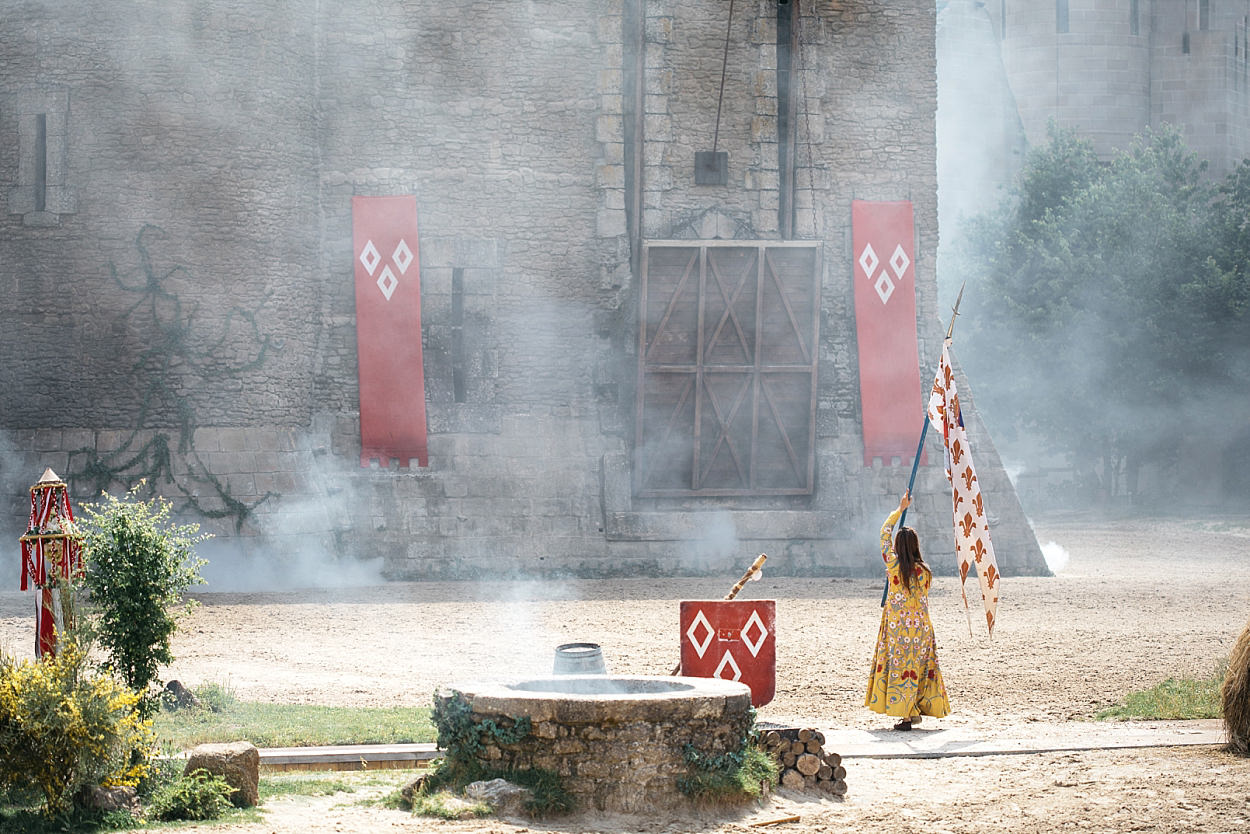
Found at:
[731, 639]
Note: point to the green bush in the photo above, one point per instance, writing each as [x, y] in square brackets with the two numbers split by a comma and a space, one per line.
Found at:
[162, 772]
[461, 737]
[728, 778]
[216, 697]
[199, 795]
[138, 565]
[63, 727]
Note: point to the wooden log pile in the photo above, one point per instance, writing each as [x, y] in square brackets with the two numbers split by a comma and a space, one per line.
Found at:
[804, 762]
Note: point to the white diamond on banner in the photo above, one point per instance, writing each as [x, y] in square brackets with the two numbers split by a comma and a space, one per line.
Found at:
[402, 257]
[369, 257]
[754, 620]
[899, 262]
[884, 287]
[727, 660]
[387, 282]
[868, 260]
[700, 620]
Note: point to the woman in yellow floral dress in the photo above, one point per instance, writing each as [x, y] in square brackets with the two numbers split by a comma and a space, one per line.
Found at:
[905, 681]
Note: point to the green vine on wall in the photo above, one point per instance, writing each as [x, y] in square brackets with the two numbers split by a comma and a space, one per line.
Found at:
[738, 775]
[176, 351]
[464, 738]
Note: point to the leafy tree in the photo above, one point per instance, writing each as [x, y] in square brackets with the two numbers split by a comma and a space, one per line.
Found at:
[1107, 302]
[138, 566]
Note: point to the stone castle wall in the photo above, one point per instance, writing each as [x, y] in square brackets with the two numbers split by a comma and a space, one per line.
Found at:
[177, 257]
[1110, 77]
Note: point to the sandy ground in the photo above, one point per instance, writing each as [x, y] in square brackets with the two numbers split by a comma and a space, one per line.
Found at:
[1138, 600]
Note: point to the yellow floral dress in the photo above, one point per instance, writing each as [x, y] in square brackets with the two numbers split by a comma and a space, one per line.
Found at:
[905, 680]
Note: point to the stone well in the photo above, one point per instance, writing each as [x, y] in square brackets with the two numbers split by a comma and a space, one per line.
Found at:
[617, 742]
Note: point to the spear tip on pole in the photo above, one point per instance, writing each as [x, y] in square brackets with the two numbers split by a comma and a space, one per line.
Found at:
[955, 310]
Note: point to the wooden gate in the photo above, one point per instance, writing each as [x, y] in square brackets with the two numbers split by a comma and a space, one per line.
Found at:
[727, 368]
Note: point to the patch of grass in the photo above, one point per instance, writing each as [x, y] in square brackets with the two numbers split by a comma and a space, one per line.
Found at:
[222, 718]
[302, 784]
[73, 821]
[447, 806]
[393, 800]
[1174, 698]
[364, 788]
[730, 778]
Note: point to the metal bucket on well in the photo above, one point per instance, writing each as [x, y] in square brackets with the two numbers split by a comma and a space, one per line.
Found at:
[579, 659]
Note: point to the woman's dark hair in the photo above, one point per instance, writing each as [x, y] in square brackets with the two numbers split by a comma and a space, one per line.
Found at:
[907, 548]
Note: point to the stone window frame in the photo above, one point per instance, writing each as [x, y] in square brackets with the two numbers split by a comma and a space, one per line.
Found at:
[42, 193]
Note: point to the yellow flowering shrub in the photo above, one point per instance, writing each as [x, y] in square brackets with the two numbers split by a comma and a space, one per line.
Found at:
[63, 727]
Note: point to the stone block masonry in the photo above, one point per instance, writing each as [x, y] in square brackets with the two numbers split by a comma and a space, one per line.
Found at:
[618, 744]
[189, 316]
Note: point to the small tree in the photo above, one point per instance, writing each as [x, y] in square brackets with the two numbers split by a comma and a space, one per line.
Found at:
[138, 566]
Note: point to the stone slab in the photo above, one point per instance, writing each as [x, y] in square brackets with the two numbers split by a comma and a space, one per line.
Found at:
[940, 742]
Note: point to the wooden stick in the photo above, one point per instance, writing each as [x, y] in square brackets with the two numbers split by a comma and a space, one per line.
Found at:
[746, 577]
[733, 592]
[777, 821]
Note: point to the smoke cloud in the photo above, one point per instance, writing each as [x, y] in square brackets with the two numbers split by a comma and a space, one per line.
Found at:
[1056, 556]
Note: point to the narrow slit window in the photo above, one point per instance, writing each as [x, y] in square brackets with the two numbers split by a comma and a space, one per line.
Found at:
[1061, 16]
[1134, 24]
[1204, 15]
[41, 162]
[457, 335]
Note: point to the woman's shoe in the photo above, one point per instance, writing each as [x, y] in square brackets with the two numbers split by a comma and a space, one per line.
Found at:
[903, 725]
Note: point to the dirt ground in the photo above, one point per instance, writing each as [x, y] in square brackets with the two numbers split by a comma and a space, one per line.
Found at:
[1137, 600]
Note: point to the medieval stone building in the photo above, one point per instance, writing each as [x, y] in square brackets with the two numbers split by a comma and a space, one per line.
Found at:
[1107, 69]
[637, 274]
[1113, 68]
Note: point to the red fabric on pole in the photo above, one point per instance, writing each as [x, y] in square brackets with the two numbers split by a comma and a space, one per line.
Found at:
[734, 640]
[388, 330]
[45, 635]
[883, 252]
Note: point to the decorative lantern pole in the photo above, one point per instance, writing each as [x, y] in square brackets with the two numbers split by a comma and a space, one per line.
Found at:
[51, 553]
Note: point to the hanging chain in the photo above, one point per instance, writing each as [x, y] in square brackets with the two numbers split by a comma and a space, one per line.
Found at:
[724, 64]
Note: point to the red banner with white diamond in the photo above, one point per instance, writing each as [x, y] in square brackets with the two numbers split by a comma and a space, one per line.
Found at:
[883, 252]
[734, 640]
[388, 330]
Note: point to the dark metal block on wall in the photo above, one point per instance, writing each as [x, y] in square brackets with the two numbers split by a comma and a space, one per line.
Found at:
[711, 168]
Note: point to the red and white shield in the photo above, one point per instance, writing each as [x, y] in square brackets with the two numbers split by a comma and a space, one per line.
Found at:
[732, 639]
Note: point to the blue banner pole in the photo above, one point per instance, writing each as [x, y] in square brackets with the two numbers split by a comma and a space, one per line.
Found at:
[915, 464]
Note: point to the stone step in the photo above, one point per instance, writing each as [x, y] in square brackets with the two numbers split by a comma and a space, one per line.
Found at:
[349, 757]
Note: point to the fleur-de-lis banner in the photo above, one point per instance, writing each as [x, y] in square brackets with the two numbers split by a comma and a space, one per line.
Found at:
[972, 529]
[388, 330]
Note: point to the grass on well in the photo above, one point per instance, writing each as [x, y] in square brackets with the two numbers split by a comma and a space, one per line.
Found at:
[223, 718]
[1174, 698]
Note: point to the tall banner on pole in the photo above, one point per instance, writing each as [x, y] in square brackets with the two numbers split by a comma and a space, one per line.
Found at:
[972, 527]
[388, 330]
[883, 250]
